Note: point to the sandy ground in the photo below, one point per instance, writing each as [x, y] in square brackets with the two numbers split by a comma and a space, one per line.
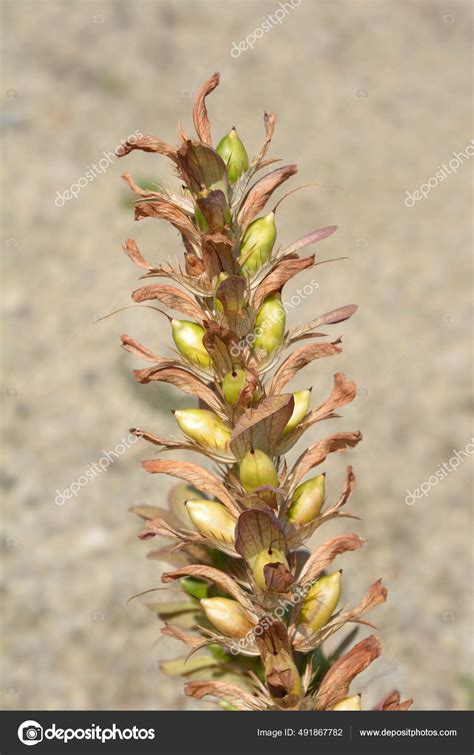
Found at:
[371, 96]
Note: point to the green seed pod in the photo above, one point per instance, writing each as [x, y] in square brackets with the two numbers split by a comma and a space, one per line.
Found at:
[234, 154]
[195, 587]
[227, 616]
[349, 703]
[188, 337]
[212, 520]
[307, 500]
[257, 469]
[300, 409]
[204, 427]
[257, 243]
[272, 556]
[232, 385]
[320, 602]
[270, 324]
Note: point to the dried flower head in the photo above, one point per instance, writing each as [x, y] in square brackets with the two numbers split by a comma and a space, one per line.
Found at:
[255, 603]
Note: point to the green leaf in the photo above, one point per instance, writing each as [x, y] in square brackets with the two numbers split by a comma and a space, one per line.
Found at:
[183, 667]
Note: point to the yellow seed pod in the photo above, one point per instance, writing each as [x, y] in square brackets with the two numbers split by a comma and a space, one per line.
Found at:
[272, 556]
[307, 500]
[321, 601]
[270, 324]
[300, 409]
[349, 703]
[204, 427]
[188, 337]
[257, 244]
[227, 616]
[232, 385]
[257, 469]
[212, 520]
[234, 154]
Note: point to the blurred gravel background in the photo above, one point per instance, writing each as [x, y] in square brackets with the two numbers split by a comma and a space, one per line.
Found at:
[371, 96]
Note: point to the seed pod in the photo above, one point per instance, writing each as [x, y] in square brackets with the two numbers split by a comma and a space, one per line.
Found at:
[349, 703]
[257, 469]
[307, 500]
[188, 337]
[227, 616]
[212, 520]
[270, 324]
[234, 154]
[271, 556]
[257, 243]
[232, 385]
[204, 427]
[300, 409]
[320, 602]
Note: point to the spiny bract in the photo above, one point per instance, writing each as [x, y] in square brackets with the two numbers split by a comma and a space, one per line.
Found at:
[254, 600]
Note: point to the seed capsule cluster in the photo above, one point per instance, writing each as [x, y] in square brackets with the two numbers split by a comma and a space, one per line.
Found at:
[257, 602]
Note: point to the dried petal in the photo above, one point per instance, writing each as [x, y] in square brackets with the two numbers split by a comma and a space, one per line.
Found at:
[299, 359]
[147, 143]
[335, 685]
[165, 210]
[283, 272]
[318, 452]
[129, 344]
[310, 238]
[392, 702]
[200, 117]
[171, 297]
[257, 197]
[329, 318]
[197, 476]
[269, 120]
[342, 393]
[131, 250]
[183, 380]
[233, 695]
[327, 553]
